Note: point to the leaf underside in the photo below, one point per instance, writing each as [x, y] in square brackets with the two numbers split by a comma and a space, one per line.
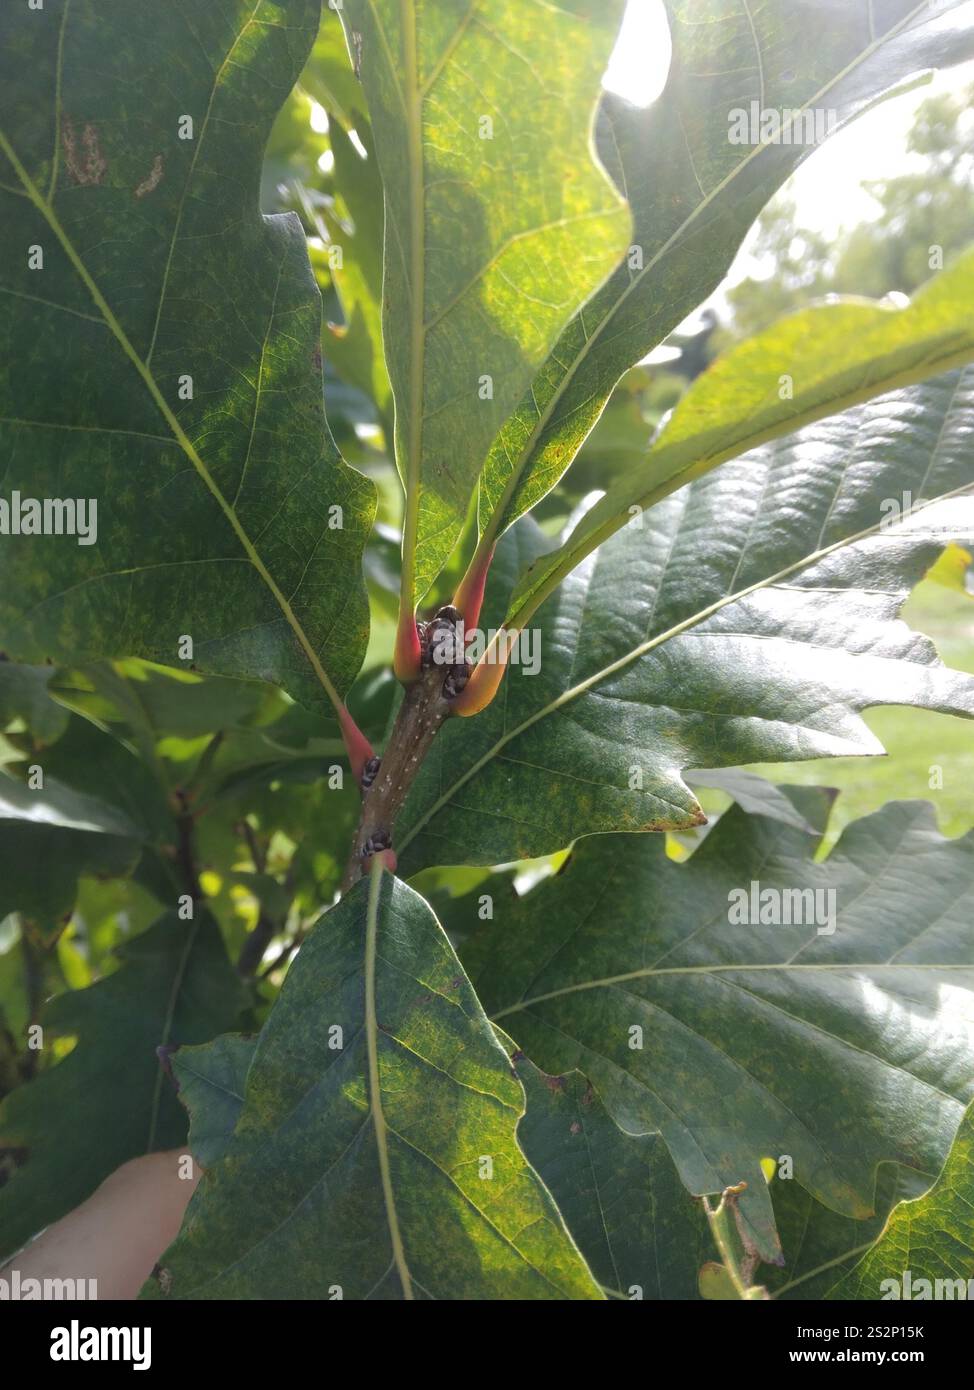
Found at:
[498, 224]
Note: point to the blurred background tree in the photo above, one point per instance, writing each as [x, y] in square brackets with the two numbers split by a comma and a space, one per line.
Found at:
[929, 206]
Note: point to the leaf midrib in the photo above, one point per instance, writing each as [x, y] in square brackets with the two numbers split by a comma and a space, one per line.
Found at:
[58, 77]
[411, 95]
[649, 972]
[822, 1268]
[375, 1095]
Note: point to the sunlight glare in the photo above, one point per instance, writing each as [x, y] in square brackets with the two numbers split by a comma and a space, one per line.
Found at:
[641, 58]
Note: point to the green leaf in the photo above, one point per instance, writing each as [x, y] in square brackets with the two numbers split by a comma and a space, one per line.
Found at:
[59, 805]
[694, 193]
[329, 76]
[215, 514]
[953, 570]
[356, 346]
[820, 1245]
[24, 694]
[109, 1099]
[66, 854]
[291, 150]
[808, 811]
[87, 764]
[211, 1082]
[809, 365]
[156, 701]
[97, 806]
[620, 437]
[755, 1039]
[494, 232]
[31, 969]
[358, 1161]
[716, 1285]
[620, 1196]
[930, 1238]
[642, 1233]
[15, 995]
[747, 618]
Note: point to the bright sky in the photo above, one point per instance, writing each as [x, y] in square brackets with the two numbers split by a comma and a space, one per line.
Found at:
[826, 188]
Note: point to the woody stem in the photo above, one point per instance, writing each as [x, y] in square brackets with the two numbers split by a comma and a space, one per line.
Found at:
[421, 715]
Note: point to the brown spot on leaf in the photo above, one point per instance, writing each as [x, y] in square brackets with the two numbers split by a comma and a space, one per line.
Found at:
[84, 160]
[152, 179]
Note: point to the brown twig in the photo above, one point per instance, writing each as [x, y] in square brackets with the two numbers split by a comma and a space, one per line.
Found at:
[206, 758]
[258, 856]
[185, 850]
[422, 714]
